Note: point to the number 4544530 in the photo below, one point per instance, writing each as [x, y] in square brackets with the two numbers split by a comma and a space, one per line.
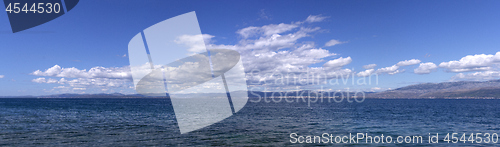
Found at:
[472, 138]
[33, 8]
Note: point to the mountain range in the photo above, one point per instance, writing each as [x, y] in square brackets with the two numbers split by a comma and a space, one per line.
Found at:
[460, 89]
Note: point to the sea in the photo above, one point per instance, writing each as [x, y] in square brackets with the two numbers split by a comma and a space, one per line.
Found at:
[151, 122]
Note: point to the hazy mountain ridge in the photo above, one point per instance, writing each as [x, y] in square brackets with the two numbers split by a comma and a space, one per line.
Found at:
[101, 95]
[461, 89]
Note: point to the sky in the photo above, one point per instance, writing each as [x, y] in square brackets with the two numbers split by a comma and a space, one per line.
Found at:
[402, 42]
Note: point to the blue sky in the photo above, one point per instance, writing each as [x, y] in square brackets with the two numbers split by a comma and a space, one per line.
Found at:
[96, 34]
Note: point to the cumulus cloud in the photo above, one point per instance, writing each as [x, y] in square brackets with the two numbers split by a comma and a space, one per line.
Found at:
[196, 43]
[478, 76]
[316, 53]
[275, 48]
[266, 51]
[95, 72]
[394, 69]
[266, 30]
[365, 73]
[274, 41]
[43, 80]
[2, 76]
[39, 80]
[72, 78]
[408, 62]
[271, 50]
[470, 69]
[370, 66]
[390, 70]
[425, 68]
[50, 81]
[315, 18]
[395, 72]
[337, 63]
[478, 62]
[333, 42]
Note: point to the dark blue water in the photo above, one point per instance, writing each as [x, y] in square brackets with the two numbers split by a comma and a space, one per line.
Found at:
[143, 122]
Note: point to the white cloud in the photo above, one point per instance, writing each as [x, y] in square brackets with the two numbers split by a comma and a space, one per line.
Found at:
[333, 42]
[316, 53]
[425, 68]
[408, 62]
[485, 75]
[390, 70]
[79, 88]
[51, 81]
[394, 69]
[337, 63]
[39, 80]
[249, 31]
[476, 62]
[274, 49]
[269, 49]
[470, 69]
[196, 43]
[370, 66]
[2, 76]
[73, 79]
[266, 30]
[395, 72]
[366, 73]
[53, 71]
[86, 83]
[95, 72]
[272, 29]
[61, 87]
[315, 18]
[271, 42]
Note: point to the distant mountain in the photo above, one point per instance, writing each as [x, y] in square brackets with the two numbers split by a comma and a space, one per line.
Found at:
[303, 93]
[462, 89]
[254, 94]
[102, 95]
